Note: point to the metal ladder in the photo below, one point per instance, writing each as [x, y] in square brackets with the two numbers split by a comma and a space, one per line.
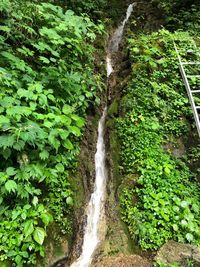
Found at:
[191, 93]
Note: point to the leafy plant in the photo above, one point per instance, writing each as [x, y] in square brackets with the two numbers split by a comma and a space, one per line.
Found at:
[164, 202]
[47, 83]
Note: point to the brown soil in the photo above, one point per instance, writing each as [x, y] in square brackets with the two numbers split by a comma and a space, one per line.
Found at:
[124, 261]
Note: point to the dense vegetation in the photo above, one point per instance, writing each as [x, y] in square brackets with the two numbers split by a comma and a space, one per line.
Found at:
[155, 107]
[160, 196]
[47, 82]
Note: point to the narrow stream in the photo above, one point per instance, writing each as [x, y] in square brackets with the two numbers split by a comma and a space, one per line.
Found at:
[117, 36]
[96, 205]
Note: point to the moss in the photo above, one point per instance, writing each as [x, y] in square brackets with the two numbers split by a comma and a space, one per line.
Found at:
[77, 184]
[114, 108]
[57, 247]
[115, 149]
[5, 264]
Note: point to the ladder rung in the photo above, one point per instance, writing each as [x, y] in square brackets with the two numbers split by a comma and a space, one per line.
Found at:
[195, 52]
[190, 63]
[195, 76]
[197, 107]
[195, 91]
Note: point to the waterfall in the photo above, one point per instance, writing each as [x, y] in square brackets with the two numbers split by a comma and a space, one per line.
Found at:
[117, 36]
[95, 209]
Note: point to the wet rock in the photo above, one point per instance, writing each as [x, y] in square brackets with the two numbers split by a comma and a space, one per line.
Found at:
[57, 248]
[176, 148]
[175, 252]
[124, 261]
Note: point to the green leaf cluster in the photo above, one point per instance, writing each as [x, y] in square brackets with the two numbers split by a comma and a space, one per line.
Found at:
[47, 82]
[163, 202]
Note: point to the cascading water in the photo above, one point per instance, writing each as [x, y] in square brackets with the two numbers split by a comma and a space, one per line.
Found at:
[117, 36]
[95, 208]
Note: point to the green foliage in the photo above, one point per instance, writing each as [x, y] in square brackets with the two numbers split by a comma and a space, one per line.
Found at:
[93, 7]
[189, 263]
[47, 83]
[164, 203]
[170, 6]
[180, 14]
[20, 227]
[167, 265]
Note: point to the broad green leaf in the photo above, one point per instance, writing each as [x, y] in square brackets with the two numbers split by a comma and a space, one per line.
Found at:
[7, 141]
[89, 94]
[60, 167]
[15, 214]
[66, 109]
[26, 93]
[6, 153]
[11, 185]
[69, 201]
[39, 235]
[43, 100]
[189, 237]
[195, 207]
[5, 28]
[46, 218]
[24, 254]
[27, 207]
[18, 260]
[48, 124]
[175, 227]
[184, 204]
[75, 130]
[79, 121]
[184, 222]
[44, 154]
[155, 125]
[19, 145]
[11, 171]
[35, 201]
[68, 144]
[28, 228]
[24, 215]
[44, 60]
[53, 140]
[63, 134]
[4, 120]
[51, 97]
[167, 170]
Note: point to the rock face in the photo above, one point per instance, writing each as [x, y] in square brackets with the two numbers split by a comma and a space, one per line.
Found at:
[175, 252]
[56, 248]
[124, 261]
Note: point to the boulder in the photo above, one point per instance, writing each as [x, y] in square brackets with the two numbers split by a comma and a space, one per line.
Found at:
[176, 252]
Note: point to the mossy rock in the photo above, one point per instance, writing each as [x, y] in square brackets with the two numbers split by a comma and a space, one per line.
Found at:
[110, 123]
[56, 247]
[114, 108]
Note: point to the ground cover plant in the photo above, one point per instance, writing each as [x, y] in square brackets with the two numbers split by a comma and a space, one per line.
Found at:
[47, 82]
[160, 199]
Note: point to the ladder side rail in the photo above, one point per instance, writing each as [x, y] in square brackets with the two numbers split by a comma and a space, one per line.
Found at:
[196, 115]
[187, 85]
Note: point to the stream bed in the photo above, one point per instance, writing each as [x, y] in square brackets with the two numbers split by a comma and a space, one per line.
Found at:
[95, 211]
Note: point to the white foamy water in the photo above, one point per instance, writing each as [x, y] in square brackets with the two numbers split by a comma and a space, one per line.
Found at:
[109, 65]
[117, 36]
[95, 209]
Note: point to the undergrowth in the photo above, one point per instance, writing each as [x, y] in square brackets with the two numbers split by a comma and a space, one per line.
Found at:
[47, 83]
[163, 202]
